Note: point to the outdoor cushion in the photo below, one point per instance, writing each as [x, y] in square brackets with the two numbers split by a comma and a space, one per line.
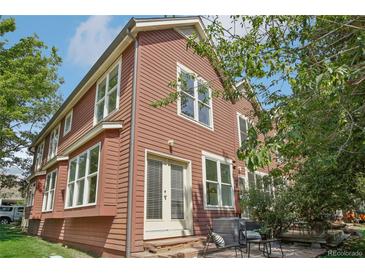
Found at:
[253, 235]
[218, 240]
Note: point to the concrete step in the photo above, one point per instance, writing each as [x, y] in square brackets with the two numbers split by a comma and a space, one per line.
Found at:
[190, 252]
[156, 246]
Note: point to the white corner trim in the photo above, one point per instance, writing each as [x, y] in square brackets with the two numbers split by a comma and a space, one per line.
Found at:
[91, 134]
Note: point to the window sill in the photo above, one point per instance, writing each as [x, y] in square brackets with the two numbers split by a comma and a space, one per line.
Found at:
[105, 118]
[225, 208]
[196, 122]
[80, 206]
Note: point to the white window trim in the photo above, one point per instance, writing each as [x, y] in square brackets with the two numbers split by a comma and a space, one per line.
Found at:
[49, 157]
[219, 159]
[54, 191]
[105, 76]
[195, 120]
[240, 115]
[70, 114]
[85, 179]
[39, 157]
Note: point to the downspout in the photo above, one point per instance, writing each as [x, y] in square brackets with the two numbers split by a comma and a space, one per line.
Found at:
[131, 150]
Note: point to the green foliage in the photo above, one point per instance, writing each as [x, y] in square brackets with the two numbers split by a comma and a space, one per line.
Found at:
[28, 95]
[275, 213]
[319, 125]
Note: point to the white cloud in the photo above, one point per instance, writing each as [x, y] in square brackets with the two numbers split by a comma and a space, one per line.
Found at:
[91, 38]
[228, 23]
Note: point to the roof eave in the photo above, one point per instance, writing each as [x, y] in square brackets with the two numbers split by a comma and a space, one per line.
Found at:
[133, 26]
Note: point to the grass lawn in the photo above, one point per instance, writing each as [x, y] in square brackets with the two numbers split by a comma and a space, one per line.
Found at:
[15, 244]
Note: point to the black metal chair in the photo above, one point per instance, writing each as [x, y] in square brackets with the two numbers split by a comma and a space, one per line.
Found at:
[230, 230]
[249, 231]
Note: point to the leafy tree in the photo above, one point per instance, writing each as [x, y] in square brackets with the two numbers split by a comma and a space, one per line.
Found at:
[28, 96]
[305, 79]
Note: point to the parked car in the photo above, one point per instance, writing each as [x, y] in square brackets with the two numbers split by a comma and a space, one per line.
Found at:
[10, 214]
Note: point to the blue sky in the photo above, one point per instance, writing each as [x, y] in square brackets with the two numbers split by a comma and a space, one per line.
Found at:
[80, 40]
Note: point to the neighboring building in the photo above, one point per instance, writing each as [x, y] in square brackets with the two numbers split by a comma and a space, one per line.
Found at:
[111, 171]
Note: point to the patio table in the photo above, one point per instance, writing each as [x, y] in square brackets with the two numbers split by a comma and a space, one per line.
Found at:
[266, 251]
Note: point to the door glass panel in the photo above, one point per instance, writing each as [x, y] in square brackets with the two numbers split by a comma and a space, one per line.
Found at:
[177, 192]
[154, 189]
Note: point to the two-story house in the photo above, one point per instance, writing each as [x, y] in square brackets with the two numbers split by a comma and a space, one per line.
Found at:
[112, 172]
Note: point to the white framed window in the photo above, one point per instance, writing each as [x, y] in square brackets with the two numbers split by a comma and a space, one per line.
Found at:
[49, 191]
[243, 126]
[53, 143]
[83, 178]
[107, 93]
[260, 181]
[195, 100]
[30, 195]
[39, 156]
[68, 123]
[218, 181]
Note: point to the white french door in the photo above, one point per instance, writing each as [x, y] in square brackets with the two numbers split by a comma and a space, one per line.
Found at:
[168, 210]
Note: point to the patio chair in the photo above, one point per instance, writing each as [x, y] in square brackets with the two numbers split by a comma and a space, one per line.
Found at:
[249, 231]
[229, 229]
